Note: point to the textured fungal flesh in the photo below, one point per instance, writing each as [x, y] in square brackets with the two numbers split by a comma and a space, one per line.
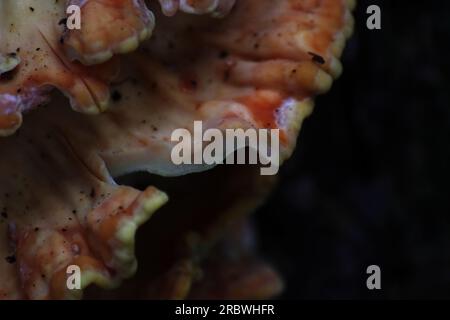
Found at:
[57, 212]
[36, 40]
[211, 240]
[218, 8]
[259, 67]
[38, 51]
[108, 27]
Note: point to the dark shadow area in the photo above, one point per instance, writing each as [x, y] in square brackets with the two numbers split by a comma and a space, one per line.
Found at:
[369, 181]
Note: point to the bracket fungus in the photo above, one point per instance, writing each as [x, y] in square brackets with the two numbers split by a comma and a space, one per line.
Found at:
[48, 54]
[154, 66]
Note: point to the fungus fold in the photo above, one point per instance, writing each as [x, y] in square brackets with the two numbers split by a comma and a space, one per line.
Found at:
[259, 67]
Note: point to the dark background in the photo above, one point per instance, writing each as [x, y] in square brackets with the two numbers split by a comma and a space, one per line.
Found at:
[369, 181]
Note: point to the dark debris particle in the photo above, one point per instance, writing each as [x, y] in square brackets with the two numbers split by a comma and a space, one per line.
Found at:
[11, 259]
[7, 75]
[317, 58]
[116, 96]
[223, 54]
